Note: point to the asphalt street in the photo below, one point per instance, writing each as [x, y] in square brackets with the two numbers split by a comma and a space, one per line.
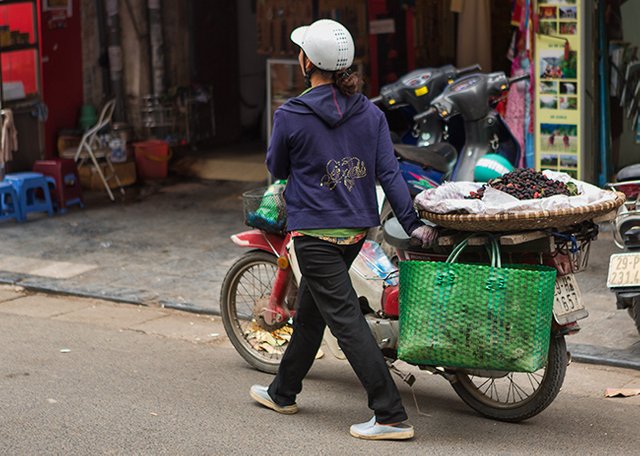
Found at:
[81, 376]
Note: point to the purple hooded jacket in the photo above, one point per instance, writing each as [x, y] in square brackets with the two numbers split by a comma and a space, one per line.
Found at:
[331, 148]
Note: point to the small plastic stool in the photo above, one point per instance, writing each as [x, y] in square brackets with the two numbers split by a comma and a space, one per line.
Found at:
[29, 187]
[67, 189]
[9, 204]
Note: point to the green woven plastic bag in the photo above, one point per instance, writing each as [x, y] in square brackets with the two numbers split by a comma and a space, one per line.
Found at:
[476, 316]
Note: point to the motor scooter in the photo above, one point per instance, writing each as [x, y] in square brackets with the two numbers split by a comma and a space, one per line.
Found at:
[624, 268]
[412, 94]
[426, 151]
[258, 294]
[471, 98]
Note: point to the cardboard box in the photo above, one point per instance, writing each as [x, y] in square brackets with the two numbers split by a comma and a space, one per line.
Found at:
[90, 179]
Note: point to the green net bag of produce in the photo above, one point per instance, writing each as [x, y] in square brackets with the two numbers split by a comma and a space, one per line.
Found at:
[264, 208]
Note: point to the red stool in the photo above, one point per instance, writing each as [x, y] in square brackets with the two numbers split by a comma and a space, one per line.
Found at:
[64, 171]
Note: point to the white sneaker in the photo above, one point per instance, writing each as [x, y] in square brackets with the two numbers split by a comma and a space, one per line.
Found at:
[260, 394]
[374, 431]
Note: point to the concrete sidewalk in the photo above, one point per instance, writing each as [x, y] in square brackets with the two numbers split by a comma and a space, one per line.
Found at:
[163, 245]
[168, 246]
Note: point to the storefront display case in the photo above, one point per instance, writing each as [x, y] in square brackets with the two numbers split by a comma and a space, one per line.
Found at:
[19, 50]
[20, 80]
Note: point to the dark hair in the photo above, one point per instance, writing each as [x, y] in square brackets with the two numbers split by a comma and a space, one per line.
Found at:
[348, 82]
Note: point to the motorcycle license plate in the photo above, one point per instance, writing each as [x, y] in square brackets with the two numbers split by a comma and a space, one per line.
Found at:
[567, 303]
[624, 270]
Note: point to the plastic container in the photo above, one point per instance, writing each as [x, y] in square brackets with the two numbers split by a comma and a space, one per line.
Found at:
[88, 117]
[118, 150]
[152, 159]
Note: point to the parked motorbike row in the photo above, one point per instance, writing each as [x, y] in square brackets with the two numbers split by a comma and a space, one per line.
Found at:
[624, 268]
[453, 125]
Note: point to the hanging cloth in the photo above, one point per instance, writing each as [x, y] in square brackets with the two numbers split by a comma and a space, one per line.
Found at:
[518, 101]
[8, 136]
[474, 32]
[516, 108]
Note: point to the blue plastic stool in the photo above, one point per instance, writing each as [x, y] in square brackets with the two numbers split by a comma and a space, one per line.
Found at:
[27, 186]
[9, 203]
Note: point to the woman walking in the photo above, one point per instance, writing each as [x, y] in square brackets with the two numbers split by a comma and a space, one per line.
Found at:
[331, 144]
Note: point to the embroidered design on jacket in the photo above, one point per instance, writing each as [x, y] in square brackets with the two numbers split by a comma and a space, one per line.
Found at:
[344, 171]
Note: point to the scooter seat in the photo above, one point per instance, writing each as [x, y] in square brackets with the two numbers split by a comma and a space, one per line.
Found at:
[629, 173]
[440, 156]
[395, 236]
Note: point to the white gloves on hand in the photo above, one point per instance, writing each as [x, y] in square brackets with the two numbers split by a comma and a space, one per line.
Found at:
[425, 235]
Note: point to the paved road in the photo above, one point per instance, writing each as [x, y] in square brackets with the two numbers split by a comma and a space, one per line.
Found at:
[89, 377]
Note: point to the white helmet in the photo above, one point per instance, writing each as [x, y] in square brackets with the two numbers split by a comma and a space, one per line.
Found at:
[327, 43]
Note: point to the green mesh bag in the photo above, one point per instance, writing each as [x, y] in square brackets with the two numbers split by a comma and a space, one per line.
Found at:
[476, 316]
[264, 208]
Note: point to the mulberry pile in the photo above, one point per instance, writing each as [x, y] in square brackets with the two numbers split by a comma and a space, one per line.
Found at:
[527, 183]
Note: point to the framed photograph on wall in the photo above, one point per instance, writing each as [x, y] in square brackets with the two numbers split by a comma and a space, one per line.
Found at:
[58, 5]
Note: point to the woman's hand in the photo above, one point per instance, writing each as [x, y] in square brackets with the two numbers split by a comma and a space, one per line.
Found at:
[425, 234]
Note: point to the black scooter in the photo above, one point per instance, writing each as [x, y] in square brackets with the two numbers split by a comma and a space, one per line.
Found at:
[412, 94]
[472, 99]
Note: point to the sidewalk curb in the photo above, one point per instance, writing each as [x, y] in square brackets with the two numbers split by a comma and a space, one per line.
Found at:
[587, 359]
[591, 354]
[581, 353]
[185, 307]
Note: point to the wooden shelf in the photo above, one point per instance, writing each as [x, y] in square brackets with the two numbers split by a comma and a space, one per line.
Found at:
[12, 2]
[18, 47]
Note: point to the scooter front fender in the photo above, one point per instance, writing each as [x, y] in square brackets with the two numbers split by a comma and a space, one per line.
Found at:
[626, 298]
[256, 239]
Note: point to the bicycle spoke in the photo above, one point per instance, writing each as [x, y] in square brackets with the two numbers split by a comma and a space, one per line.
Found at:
[510, 389]
[255, 283]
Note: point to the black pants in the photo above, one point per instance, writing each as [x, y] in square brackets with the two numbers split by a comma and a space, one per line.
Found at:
[326, 297]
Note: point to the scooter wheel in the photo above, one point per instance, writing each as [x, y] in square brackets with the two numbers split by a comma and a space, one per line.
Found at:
[514, 396]
[245, 288]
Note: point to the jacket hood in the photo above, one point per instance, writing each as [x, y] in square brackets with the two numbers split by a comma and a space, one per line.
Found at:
[328, 103]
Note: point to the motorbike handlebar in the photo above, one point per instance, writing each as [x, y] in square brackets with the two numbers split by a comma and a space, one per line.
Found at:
[522, 77]
[470, 69]
[376, 100]
[425, 114]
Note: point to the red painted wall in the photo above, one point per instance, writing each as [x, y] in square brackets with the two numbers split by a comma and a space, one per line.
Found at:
[61, 52]
[19, 65]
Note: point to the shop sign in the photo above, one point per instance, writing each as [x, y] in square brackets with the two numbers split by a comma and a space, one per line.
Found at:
[559, 104]
[382, 26]
[58, 5]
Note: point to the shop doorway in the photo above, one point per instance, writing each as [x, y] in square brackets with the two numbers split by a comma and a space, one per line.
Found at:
[213, 62]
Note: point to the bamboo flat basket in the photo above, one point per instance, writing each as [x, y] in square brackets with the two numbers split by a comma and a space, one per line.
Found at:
[523, 221]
